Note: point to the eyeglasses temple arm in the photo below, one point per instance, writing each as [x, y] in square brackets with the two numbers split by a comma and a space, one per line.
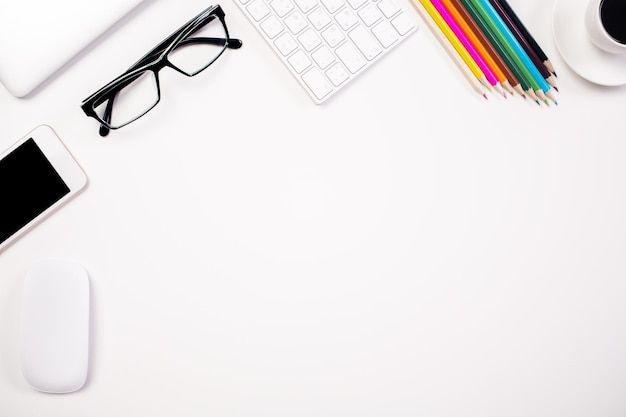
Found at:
[232, 43]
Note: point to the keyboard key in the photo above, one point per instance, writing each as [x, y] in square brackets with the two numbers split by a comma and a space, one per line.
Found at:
[323, 57]
[385, 34]
[306, 5]
[295, 22]
[319, 18]
[285, 43]
[365, 42]
[402, 24]
[333, 5]
[356, 3]
[346, 18]
[351, 57]
[318, 84]
[299, 61]
[337, 74]
[333, 36]
[258, 10]
[388, 7]
[309, 39]
[281, 7]
[370, 14]
[272, 26]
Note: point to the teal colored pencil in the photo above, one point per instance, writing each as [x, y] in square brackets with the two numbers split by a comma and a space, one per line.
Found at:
[512, 46]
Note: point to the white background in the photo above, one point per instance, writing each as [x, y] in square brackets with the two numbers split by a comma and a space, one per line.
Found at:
[406, 249]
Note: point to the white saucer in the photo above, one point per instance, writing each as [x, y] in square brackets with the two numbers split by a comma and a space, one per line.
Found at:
[586, 59]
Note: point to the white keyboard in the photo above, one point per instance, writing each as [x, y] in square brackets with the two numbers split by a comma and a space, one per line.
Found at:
[327, 43]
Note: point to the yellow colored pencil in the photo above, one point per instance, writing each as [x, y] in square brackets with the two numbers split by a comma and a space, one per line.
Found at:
[456, 44]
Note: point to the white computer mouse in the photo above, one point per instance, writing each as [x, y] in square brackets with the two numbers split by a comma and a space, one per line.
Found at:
[55, 326]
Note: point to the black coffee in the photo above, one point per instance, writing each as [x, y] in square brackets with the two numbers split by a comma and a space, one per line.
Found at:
[613, 15]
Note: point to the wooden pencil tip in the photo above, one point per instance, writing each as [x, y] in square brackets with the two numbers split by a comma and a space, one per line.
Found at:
[485, 95]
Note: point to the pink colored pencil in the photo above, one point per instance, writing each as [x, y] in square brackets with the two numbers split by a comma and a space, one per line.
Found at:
[447, 17]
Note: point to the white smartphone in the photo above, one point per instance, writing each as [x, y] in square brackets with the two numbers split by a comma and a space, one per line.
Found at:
[37, 175]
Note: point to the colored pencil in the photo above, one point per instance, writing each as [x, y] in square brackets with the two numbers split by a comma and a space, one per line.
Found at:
[533, 43]
[496, 42]
[489, 47]
[478, 44]
[447, 46]
[543, 70]
[493, 19]
[456, 44]
[467, 44]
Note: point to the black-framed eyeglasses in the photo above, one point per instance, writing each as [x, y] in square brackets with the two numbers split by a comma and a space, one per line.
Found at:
[189, 50]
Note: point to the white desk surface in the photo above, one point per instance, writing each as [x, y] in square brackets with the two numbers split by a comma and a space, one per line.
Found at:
[406, 249]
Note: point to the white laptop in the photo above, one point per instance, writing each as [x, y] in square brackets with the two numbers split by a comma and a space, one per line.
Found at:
[38, 37]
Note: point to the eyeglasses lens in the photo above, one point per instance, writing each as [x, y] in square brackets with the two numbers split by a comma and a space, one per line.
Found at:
[131, 102]
[200, 49]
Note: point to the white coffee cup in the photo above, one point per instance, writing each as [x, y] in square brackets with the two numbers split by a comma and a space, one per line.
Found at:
[605, 21]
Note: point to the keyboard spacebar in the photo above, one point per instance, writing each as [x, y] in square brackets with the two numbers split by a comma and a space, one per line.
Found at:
[318, 84]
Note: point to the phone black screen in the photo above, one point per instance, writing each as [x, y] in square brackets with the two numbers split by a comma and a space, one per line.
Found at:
[28, 186]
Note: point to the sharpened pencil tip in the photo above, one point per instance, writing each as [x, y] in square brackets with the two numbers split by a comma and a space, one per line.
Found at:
[538, 102]
[485, 95]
